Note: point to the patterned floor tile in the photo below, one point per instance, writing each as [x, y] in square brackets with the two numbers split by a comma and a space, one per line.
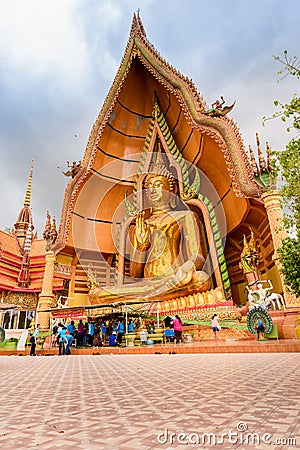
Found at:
[145, 402]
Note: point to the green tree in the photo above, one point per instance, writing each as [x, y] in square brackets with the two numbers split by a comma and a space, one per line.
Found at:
[287, 164]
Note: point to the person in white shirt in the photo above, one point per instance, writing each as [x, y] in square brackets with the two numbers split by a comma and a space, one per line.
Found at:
[215, 326]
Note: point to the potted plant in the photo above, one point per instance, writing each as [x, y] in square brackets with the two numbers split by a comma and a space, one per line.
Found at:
[11, 344]
[41, 340]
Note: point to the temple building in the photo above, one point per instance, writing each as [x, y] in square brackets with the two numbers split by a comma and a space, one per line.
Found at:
[22, 266]
[154, 121]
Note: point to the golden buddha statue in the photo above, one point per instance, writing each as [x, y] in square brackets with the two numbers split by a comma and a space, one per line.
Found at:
[167, 242]
[165, 239]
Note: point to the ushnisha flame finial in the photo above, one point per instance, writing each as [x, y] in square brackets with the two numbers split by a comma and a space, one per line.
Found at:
[159, 168]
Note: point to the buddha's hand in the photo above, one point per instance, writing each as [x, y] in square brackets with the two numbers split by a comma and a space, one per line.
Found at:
[185, 273]
[142, 230]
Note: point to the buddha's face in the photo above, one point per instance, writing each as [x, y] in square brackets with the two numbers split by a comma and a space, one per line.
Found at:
[158, 189]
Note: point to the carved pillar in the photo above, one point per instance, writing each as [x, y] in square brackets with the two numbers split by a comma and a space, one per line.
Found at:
[46, 296]
[272, 202]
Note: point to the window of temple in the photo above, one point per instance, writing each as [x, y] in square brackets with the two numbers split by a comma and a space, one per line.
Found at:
[15, 319]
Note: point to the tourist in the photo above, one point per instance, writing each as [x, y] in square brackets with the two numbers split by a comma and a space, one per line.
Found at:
[90, 334]
[54, 329]
[59, 328]
[85, 333]
[260, 328]
[104, 330]
[97, 341]
[216, 327]
[80, 333]
[54, 334]
[33, 340]
[69, 338]
[177, 322]
[71, 328]
[112, 339]
[62, 341]
[130, 326]
[120, 330]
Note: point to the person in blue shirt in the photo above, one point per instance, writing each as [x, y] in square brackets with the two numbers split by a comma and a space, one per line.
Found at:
[130, 326]
[62, 341]
[33, 340]
[91, 332]
[112, 339]
[103, 330]
[71, 327]
[69, 340]
[121, 331]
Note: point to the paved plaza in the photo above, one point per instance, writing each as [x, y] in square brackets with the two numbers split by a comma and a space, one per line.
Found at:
[141, 402]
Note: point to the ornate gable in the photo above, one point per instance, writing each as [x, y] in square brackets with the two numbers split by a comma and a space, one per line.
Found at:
[121, 126]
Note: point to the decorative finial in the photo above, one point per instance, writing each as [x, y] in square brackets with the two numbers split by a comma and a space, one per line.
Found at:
[137, 25]
[253, 161]
[53, 232]
[74, 168]
[269, 158]
[262, 162]
[29, 186]
[265, 176]
[50, 233]
[217, 109]
[47, 229]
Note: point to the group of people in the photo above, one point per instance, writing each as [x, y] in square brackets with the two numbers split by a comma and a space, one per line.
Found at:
[96, 335]
[118, 331]
[85, 334]
[65, 335]
[89, 334]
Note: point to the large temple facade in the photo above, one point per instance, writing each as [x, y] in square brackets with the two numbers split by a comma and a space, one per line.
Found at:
[152, 108]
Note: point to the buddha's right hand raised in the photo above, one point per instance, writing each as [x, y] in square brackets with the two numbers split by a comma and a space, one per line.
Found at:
[142, 230]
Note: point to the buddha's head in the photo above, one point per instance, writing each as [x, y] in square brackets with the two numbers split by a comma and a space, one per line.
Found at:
[160, 184]
[158, 189]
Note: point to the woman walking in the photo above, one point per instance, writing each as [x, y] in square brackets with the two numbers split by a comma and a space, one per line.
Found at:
[216, 327]
[177, 329]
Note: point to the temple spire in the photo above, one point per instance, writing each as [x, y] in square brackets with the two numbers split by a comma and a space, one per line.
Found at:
[24, 221]
[29, 187]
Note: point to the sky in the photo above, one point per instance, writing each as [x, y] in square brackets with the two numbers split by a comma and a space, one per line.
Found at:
[58, 59]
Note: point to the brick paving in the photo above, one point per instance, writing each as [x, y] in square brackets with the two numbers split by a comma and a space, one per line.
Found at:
[131, 402]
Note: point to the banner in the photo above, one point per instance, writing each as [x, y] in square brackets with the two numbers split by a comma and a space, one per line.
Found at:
[76, 313]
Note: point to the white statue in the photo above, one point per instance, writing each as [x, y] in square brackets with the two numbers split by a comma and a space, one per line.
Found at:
[264, 298]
